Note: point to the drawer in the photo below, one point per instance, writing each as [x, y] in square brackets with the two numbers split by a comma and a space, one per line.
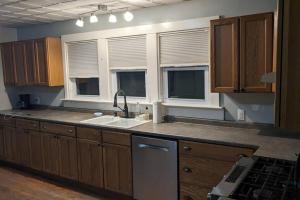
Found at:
[193, 192]
[89, 134]
[27, 124]
[116, 138]
[201, 171]
[212, 151]
[7, 121]
[60, 129]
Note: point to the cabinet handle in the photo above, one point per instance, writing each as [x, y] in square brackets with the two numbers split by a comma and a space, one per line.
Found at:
[187, 170]
[243, 90]
[34, 125]
[187, 148]
[99, 145]
[187, 198]
[44, 127]
[70, 131]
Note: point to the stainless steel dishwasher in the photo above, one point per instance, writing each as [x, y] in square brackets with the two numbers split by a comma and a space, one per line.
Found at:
[155, 175]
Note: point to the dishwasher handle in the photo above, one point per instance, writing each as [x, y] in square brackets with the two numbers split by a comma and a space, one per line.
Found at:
[148, 146]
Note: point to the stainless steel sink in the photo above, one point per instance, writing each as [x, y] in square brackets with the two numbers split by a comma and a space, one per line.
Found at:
[111, 121]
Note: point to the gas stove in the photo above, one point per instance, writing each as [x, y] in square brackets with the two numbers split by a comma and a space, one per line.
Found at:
[259, 178]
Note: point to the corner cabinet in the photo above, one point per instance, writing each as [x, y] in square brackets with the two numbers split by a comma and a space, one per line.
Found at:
[33, 62]
[241, 53]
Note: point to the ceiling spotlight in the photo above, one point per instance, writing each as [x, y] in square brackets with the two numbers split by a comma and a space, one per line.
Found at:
[93, 18]
[128, 16]
[112, 18]
[80, 22]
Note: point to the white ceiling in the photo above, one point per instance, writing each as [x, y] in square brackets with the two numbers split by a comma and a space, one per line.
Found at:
[14, 13]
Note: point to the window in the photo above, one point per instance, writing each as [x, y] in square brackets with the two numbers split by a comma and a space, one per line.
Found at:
[87, 86]
[193, 87]
[133, 83]
[83, 68]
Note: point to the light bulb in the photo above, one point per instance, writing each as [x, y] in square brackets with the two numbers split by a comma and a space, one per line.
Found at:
[128, 16]
[112, 18]
[80, 22]
[93, 18]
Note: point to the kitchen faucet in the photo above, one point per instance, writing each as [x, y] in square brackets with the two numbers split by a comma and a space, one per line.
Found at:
[125, 110]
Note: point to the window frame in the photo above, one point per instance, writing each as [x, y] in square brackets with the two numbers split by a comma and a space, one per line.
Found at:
[183, 101]
[130, 99]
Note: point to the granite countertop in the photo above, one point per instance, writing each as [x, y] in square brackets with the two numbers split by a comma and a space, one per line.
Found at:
[268, 142]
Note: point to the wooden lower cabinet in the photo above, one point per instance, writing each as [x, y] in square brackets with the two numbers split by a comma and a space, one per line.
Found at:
[10, 144]
[193, 192]
[22, 147]
[117, 168]
[50, 153]
[35, 150]
[2, 144]
[60, 155]
[68, 157]
[90, 162]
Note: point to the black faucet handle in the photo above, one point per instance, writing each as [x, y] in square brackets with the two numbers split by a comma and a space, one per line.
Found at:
[115, 114]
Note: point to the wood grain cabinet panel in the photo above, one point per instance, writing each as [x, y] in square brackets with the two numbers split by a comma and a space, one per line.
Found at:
[59, 129]
[68, 157]
[10, 144]
[193, 192]
[35, 150]
[51, 153]
[20, 63]
[224, 55]
[2, 144]
[117, 168]
[41, 61]
[112, 137]
[90, 162]
[31, 70]
[22, 147]
[256, 51]
[9, 69]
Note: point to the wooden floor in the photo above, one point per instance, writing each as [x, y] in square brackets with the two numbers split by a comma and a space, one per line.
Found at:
[15, 185]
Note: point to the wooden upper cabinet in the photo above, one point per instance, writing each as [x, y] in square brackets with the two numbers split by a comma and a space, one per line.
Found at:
[49, 62]
[256, 51]
[241, 53]
[20, 63]
[33, 62]
[8, 63]
[31, 70]
[224, 55]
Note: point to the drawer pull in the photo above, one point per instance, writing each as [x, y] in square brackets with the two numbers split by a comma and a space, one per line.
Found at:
[187, 148]
[70, 131]
[187, 198]
[34, 125]
[187, 170]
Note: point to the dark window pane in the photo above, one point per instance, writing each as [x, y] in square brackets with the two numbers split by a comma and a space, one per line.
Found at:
[87, 86]
[133, 83]
[186, 84]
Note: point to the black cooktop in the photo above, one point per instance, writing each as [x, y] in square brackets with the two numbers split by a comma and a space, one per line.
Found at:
[268, 179]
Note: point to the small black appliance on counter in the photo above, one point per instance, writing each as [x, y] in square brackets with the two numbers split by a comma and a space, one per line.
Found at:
[24, 101]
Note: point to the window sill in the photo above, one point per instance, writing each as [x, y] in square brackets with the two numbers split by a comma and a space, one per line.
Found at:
[106, 101]
[180, 105]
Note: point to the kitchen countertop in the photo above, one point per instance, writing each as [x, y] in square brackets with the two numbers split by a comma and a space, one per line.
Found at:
[269, 142]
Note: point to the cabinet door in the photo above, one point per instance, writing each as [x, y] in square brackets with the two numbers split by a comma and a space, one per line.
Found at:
[30, 62]
[10, 144]
[68, 157]
[117, 168]
[35, 150]
[8, 64]
[50, 153]
[20, 63]
[22, 147]
[41, 61]
[90, 165]
[256, 49]
[224, 55]
[2, 144]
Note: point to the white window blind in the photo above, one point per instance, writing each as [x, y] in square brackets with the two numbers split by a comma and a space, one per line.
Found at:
[127, 52]
[83, 59]
[183, 48]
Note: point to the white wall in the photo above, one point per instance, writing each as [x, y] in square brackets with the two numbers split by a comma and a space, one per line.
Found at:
[167, 13]
[6, 35]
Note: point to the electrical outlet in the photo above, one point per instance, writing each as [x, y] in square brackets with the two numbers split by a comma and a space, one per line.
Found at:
[241, 114]
[37, 100]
